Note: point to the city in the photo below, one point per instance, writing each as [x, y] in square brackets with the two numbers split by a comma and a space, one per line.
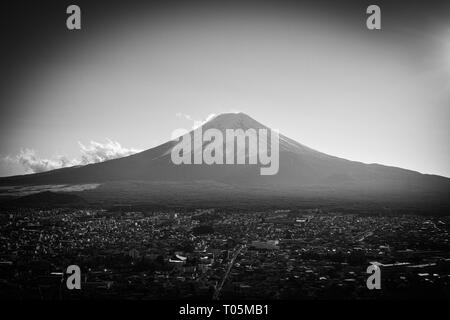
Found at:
[211, 254]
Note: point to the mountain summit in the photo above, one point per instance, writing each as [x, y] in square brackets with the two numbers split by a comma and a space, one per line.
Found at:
[233, 121]
[302, 170]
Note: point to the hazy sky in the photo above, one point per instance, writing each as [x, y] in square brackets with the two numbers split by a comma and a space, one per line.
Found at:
[134, 74]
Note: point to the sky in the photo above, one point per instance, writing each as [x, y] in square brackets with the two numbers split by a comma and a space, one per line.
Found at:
[136, 72]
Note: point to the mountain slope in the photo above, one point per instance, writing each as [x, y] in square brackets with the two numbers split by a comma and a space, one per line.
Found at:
[300, 168]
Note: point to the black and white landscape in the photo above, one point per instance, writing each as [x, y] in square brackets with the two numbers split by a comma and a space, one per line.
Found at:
[147, 228]
[361, 179]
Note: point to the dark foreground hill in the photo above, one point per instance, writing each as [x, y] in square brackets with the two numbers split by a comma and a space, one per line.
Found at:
[46, 199]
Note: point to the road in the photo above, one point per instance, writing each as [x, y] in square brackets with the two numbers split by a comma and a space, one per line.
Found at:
[224, 279]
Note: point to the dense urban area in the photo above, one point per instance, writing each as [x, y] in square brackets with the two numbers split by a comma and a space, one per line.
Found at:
[211, 254]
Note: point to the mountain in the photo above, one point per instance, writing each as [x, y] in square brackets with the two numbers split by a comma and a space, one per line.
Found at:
[303, 172]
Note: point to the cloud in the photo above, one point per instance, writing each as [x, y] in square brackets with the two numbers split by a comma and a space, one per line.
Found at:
[94, 152]
[29, 160]
[198, 123]
[183, 115]
[99, 152]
